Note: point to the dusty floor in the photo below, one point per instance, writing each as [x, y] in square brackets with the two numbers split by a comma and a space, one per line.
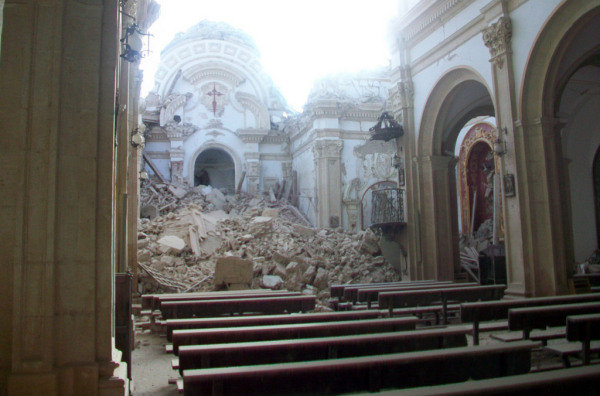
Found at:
[151, 367]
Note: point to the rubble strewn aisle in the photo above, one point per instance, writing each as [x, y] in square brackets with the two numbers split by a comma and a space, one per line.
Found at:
[179, 249]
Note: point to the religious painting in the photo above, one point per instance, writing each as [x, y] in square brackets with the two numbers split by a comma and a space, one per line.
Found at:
[479, 182]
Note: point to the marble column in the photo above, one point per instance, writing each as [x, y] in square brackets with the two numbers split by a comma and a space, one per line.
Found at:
[328, 173]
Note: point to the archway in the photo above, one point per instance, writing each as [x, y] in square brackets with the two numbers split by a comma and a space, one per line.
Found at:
[216, 168]
[459, 96]
[559, 115]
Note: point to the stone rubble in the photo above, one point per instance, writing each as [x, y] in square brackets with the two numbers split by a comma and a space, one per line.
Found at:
[285, 253]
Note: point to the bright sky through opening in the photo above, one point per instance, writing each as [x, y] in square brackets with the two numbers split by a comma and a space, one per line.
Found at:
[299, 41]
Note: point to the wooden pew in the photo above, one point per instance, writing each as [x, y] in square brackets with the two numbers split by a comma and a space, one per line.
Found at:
[477, 312]
[263, 305]
[581, 330]
[369, 295]
[574, 381]
[351, 292]
[593, 279]
[263, 320]
[527, 319]
[289, 331]
[391, 300]
[337, 291]
[280, 351]
[152, 301]
[370, 373]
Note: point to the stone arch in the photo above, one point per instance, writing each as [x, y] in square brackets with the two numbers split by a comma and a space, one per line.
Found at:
[213, 145]
[458, 96]
[542, 172]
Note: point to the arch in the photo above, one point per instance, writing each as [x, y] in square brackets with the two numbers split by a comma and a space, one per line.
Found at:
[215, 167]
[565, 42]
[437, 107]
[459, 95]
[596, 185]
[213, 145]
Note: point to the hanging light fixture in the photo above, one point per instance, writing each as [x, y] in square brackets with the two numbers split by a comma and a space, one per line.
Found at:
[386, 128]
[133, 44]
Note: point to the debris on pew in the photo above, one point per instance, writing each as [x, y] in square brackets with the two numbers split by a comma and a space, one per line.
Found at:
[179, 247]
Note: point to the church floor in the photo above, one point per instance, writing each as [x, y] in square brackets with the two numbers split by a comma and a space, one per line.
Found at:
[151, 367]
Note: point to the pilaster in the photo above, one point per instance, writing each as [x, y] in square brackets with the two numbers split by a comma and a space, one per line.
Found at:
[497, 37]
[328, 172]
[58, 79]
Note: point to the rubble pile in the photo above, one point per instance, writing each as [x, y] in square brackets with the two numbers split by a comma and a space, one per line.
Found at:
[179, 250]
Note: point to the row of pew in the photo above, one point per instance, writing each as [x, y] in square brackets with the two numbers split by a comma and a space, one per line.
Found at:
[268, 342]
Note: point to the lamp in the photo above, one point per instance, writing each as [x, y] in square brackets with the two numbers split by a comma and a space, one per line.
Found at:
[133, 43]
[499, 147]
[143, 175]
[386, 128]
[137, 139]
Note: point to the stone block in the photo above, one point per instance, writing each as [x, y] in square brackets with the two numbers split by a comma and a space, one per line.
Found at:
[233, 270]
[272, 282]
[321, 281]
[171, 244]
[271, 212]
[303, 231]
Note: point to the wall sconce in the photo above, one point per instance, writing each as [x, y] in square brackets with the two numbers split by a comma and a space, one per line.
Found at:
[500, 147]
[143, 175]
[137, 139]
[133, 44]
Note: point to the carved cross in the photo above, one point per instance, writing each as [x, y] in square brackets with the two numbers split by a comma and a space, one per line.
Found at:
[214, 93]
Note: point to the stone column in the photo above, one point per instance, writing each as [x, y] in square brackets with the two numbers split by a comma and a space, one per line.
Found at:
[57, 78]
[328, 172]
[402, 99]
[497, 37]
[439, 253]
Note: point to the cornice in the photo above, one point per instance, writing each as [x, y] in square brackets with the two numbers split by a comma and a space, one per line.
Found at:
[430, 19]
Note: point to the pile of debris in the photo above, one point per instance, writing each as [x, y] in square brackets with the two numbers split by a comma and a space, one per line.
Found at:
[181, 249]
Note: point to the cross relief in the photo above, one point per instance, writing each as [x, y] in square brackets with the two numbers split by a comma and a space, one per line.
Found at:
[214, 96]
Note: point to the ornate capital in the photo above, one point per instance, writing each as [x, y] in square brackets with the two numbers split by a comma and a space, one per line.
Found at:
[327, 148]
[497, 38]
[179, 131]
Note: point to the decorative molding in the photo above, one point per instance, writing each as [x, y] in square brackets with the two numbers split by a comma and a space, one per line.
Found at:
[497, 38]
[327, 148]
[430, 19]
[179, 131]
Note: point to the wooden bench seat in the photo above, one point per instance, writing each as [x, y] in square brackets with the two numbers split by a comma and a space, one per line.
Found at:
[553, 333]
[262, 305]
[152, 301]
[265, 352]
[476, 312]
[582, 330]
[401, 299]
[289, 331]
[369, 295]
[351, 293]
[527, 319]
[337, 291]
[263, 320]
[370, 373]
[574, 381]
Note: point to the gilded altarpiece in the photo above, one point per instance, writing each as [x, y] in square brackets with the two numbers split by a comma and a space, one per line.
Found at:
[477, 171]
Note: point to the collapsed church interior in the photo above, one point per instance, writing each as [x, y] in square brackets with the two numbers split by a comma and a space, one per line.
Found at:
[399, 209]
